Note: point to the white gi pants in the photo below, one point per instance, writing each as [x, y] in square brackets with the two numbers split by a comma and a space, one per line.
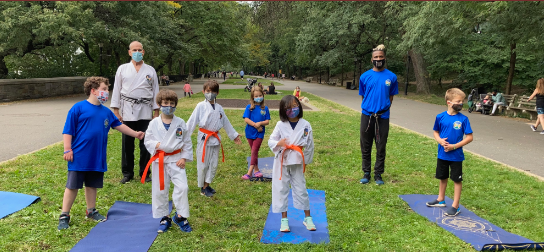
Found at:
[208, 168]
[180, 195]
[292, 175]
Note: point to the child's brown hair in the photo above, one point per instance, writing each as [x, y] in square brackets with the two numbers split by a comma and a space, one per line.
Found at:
[167, 95]
[212, 84]
[94, 83]
[252, 101]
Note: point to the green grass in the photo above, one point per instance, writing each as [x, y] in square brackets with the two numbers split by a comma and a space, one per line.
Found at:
[238, 81]
[360, 217]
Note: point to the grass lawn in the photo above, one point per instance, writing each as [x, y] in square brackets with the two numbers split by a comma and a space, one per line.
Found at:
[360, 217]
[238, 81]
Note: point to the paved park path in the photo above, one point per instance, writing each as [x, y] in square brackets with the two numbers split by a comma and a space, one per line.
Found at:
[31, 125]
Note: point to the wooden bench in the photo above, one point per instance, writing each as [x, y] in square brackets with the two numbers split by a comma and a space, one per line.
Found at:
[524, 107]
[332, 82]
[510, 99]
[309, 79]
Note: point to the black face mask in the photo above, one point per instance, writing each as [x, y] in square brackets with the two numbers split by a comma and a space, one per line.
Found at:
[457, 107]
[379, 63]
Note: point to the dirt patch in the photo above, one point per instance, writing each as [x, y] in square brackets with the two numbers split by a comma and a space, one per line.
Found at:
[242, 103]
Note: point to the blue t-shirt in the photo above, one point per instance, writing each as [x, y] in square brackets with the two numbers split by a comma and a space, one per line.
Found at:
[454, 127]
[89, 126]
[256, 115]
[241, 73]
[166, 126]
[376, 87]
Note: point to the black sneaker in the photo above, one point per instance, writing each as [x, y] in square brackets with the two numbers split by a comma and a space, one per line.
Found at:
[211, 189]
[206, 192]
[378, 179]
[94, 215]
[436, 203]
[125, 180]
[365, 179]
[453, 211]
[64, 221]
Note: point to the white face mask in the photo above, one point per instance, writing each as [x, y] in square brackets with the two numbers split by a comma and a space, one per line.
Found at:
[103, 96]
[210, 96]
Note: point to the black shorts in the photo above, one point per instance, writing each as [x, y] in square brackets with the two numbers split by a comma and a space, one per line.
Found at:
[443, 170]
[90, 178]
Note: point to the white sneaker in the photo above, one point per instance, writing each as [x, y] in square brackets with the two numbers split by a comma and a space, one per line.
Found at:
[542, 133]
[533, 127]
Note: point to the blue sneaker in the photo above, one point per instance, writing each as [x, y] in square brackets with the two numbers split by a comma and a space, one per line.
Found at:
[365, 178]
[64, 221]
[378, 179]
[211, 189]
[452, 211]
[206, 192]
[166, 223]
[183, 225]
[436, 203]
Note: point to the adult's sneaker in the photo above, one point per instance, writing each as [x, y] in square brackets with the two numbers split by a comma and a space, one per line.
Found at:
[64, 221]
[183, 225]
[309, 223]
[125, 180]
[94, 215]
[166, 223]
[533, 127]
[366, 178]
[206, 192]
[436, 203]
[378, 179]
[453, 211]
[542, 133]
[284, 225]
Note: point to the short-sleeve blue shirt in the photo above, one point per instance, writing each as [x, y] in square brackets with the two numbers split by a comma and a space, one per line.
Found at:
[376, 87]
[256, 115]
[453, 127]
[241, 73]
[89, 125]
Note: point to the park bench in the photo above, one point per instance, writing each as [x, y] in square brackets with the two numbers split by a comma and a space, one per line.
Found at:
[332, 82]
[521, 105]
[510, 99]
[309, 79]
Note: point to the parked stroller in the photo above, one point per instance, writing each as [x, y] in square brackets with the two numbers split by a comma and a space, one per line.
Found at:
[250, 83]
[472, 100]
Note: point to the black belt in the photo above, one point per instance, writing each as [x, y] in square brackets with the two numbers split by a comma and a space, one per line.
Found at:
[377, 126]
[136, 101]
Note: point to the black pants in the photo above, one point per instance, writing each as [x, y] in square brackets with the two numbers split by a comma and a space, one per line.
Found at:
[367, 139]
[127, 159]
[185, 94]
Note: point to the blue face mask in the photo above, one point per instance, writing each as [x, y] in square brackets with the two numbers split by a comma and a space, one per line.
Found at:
[168, 110]
[258, 99]
[137, 56]
[292, 112]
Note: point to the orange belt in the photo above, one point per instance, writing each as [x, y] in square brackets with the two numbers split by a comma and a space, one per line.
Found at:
[208, 134]
[160, 155]
[297, 149]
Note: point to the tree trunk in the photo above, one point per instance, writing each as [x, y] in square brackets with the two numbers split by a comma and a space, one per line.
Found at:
[420, 71]
[512, 68]
[3, 68]
[181, 67]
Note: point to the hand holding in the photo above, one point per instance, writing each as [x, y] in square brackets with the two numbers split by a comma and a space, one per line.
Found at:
[443, 142]
[281, 143]
[181, 163]
[237, 140]
[260, 129]
[140, 135]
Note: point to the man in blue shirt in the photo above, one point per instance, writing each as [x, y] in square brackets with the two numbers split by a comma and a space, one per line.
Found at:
[242, 74]
[377, 87]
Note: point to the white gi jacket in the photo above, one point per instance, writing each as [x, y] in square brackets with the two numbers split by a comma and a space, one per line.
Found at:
[177, 137]
[301, 136]
[210, 119]
[135, 85]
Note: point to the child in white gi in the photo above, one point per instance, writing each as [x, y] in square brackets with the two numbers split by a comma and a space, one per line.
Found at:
[210, 118]
[292, 143]
[169, 142]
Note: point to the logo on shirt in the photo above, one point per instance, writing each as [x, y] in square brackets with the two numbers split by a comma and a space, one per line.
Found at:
[388, 82]
[106, 123]
[220, 116]
[305, 132]
[179, 132]
[149, 79]
[457, 125]
[263, 112]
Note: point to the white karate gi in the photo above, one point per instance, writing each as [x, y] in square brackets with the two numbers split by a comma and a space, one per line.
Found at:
[136, 85]
[292, 171]
[177, 137]
[206, 117]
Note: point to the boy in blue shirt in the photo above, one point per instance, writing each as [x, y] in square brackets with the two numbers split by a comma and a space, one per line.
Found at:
[85, 137]
[449, 128]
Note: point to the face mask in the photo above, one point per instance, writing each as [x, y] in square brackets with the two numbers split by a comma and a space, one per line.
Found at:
[168, 110]
[379, 63]
[292, 112]
[102, 96]
[210, 96]
[457, 107]
[258, 99]
[137, 56]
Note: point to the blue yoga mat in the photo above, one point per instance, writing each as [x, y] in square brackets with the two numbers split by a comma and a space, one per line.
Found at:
[130, 227]
[299, 233]
[265, 167]
[467, 226]
[11, 202]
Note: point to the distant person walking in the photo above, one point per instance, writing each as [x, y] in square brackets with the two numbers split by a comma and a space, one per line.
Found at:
[539, 94]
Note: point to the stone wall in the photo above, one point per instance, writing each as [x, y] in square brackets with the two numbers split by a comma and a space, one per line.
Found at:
[21, 89]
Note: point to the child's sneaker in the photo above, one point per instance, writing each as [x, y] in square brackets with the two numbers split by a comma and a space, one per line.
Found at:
[365, 178]
[246, 177]
[183, 225]
[453, 211]
[94, 215]
[206, 191]
[64, 221]
[285, 225]
[211, 189]
[533, 127]
[378, 179]
[166, 223]
[436, 203]
[309, 223]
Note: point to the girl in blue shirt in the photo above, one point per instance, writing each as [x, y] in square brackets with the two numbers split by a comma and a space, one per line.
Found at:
[256, 116]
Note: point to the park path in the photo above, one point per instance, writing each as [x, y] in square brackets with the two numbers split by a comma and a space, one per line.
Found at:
[31, 125]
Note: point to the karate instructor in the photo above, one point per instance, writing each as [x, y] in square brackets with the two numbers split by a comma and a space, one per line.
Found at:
[133, 102]
[377, 87]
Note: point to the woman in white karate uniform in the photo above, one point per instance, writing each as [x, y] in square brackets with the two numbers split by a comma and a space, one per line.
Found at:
[293, 145]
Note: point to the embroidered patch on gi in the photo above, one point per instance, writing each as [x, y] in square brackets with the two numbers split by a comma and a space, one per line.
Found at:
[106, 123]
[220, 116]
[457, 125]
[388, 82]
[149, 79]
[306, 132]
[179, 132]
